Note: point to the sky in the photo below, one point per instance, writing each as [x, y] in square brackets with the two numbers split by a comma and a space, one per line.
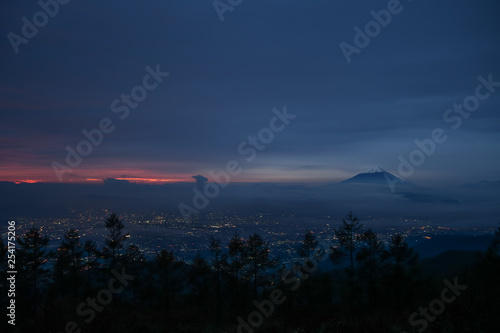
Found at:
[212, 84]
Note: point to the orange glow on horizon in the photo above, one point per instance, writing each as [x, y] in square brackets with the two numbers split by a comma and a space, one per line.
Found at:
[150, 180]
[144, 180]
[138, 174]
[29, 181]
[31, 175]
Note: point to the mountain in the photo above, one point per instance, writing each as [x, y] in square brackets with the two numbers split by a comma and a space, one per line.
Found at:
[484, 185]
[450, 263]
[375, 176]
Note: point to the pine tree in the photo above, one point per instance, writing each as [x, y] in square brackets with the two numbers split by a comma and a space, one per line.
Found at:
[3, 258]
[236, 260]
[115, 239]
[232, 264]
[494, 247]
[347, 236]
[90, 251]
[164, 261]
[31, 259]
[400, 256]
[369, 258]
[134, 258]
[69, 262]
[308, 244]
[199, 276]
[257, 259]
[402, 265]
[216, 250]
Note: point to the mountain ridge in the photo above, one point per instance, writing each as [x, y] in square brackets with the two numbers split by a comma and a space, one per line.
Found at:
[375, 175]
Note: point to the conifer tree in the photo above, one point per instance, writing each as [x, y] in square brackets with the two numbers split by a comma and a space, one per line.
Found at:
[115, 238]
[31, 259]
[347, 236]
[308, 244]
[257, 259]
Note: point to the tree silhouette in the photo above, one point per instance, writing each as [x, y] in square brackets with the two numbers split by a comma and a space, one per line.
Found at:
[232, 265]
[402, 264]
[31, 259]
[216, 250]
[308, 244]
[164, 261]
[178, 296]
[134, 258]
[90, 251]
[199, 277]
[3, 257]
[369, 258]
[399, 255]
[69, 262]
[494, 247]
[347, 236]
[257, 259]
[236, 260]
[115, 238]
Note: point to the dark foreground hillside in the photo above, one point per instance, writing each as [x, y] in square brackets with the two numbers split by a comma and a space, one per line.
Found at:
[375, 287]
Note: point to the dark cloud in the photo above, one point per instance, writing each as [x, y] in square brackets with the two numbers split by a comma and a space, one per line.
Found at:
[200, 181]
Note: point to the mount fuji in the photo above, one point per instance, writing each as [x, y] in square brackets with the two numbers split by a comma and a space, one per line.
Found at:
[375, 175]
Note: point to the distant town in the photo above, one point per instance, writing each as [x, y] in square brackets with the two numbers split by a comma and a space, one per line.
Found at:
[153, 231]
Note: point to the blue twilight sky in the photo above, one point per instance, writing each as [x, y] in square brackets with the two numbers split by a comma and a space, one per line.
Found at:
[225, 78]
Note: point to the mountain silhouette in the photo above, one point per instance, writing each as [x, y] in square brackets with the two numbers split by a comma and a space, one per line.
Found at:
[375, 176]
